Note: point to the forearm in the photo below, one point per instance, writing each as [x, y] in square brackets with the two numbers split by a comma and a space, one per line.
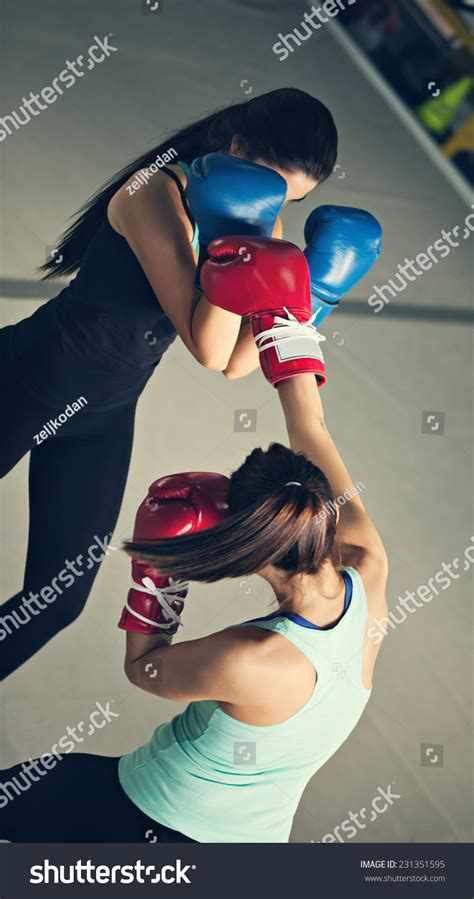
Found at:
[223, 340]
[307, 432]
[244, 358]
[214, 333]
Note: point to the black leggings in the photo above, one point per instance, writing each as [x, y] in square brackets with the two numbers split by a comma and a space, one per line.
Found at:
[77, 478]
[80, 800]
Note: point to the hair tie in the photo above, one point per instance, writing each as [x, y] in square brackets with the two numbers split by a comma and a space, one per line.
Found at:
[296, 483]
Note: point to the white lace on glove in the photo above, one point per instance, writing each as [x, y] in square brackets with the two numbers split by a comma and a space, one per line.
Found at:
[162, 595]
[286, 330]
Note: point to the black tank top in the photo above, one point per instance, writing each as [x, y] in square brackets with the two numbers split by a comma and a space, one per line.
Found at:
[103, 335]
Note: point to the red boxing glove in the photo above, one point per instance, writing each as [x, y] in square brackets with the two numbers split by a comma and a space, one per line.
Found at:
[175, 505]
[268, 280]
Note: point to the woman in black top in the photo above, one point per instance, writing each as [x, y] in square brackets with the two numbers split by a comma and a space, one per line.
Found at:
[73, 371]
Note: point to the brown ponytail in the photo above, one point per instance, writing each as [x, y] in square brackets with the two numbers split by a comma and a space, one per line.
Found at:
[271, 522]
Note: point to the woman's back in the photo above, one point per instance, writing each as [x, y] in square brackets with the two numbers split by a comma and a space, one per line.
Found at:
[205, 766]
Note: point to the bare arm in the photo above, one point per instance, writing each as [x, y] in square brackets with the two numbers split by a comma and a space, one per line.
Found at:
[218, 667]
[307, 432]
[154, 224]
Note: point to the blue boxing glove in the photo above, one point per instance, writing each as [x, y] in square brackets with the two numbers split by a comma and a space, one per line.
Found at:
[229, 195]
[342, 246]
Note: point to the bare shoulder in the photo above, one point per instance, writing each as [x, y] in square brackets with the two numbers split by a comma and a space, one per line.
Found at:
[144, 195]
[267, 656]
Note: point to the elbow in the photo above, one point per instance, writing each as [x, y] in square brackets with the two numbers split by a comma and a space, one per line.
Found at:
[232, 373]
[137, 674]
[210, 359]
[131, 673]
[206, 352]
[213, 363]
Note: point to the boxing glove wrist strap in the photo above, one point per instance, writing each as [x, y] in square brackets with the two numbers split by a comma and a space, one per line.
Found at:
[285, 330]
[161, 594]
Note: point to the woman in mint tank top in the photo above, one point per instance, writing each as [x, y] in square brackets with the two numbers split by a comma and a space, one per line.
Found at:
[267, 705]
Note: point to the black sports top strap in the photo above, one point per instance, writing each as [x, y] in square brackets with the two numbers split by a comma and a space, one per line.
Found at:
[182, 193]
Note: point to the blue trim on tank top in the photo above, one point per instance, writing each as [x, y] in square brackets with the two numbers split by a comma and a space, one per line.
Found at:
[303, 622]
[195, 241]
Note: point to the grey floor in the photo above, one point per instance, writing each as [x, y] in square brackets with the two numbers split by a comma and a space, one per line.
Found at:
[384, 371]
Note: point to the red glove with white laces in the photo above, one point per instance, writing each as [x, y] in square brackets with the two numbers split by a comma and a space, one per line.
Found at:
[175, 505]
[268, 280]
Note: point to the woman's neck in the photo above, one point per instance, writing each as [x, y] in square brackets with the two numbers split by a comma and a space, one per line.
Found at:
[319, 598]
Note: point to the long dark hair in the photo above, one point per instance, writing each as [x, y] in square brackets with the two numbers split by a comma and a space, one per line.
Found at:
[285, 127]
[291, 527]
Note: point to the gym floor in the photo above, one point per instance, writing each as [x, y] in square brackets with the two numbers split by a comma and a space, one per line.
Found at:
[386, 371]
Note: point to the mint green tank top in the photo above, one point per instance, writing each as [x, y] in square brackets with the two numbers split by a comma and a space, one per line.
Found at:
[195, 241]
[218, 780]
